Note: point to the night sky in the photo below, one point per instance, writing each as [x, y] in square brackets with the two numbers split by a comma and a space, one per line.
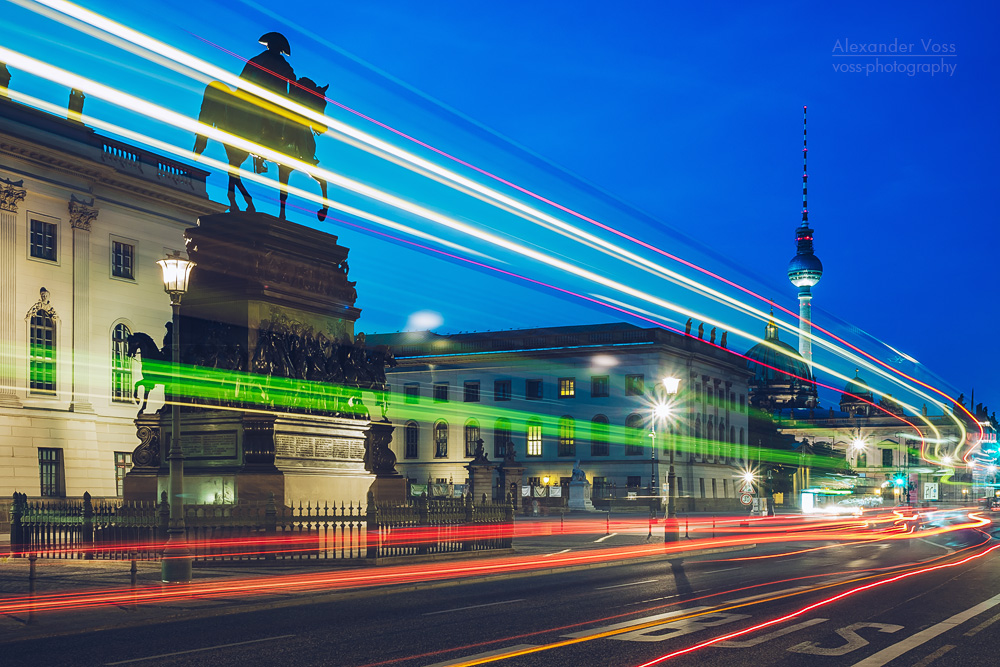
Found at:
[677, 123]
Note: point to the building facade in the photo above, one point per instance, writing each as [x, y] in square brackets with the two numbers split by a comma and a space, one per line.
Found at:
[83, 219]
[587, 395]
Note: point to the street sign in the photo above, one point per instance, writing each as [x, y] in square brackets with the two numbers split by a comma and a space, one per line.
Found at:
[746, 498]
[930, 491]
[747, 488]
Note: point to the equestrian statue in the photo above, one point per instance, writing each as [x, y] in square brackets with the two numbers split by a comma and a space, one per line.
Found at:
[250, 117]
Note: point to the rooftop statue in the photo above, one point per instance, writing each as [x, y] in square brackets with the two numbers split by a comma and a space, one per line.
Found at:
[256, 120]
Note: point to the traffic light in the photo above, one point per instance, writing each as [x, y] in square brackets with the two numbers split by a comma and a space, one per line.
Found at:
[899, 479]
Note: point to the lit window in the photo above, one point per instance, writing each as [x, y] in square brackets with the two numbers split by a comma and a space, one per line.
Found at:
[471, 437]
[441, 439]
[472, 392]
[567, 387]
[412, 440]
[534, 437]
[123, 260]
[43, 240]
[121, 365]
[599, 385]
[123, 463]
[634, 385]
[567, 437]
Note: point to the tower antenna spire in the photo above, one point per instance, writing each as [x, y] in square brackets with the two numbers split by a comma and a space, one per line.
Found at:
[805, 172]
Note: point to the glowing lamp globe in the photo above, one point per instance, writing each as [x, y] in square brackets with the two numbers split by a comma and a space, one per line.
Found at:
[671, 384]
[176, 271]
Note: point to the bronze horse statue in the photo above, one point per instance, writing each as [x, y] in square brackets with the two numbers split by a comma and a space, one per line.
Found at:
[152, 376]
[246, 116]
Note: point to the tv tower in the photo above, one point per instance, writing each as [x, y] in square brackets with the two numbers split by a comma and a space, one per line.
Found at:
[805, 269]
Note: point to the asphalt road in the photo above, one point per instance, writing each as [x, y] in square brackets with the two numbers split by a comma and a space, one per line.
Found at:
[623, 615]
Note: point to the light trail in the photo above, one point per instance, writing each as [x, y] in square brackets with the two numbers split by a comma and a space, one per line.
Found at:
[150, 45]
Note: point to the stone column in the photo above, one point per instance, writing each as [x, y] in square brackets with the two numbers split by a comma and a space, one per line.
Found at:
[11, 193]
[81, 215]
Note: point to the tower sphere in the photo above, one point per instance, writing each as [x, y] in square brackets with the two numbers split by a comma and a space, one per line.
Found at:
[805, 270]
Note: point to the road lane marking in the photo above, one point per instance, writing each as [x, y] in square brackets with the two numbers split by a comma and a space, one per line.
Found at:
[728, 569]
[198, 650]
[982, 626]
[924, 636]
[475, 606]
[650, 620]
[487, 654]
[601, 539]
[853, 643]
[764, 595]
[556, 553]
[747, 643]
[634, 583]
[934, 656]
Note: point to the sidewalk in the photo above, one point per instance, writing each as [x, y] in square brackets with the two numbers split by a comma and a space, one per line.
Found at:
[573, 534]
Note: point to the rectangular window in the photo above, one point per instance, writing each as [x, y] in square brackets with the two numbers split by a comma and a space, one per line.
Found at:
[411, 438]
[472, 392]
[501, 390]
[634, 385]
[123, 463]
[533, 390]
[633, 481]
[567, 387]
[725, 488]
[701, 483]
[411, 393]
[440, 391]
[122, 260]
[50, 472]
[886, 458]
[534, 481]
[121, 365]
[42, 353]
[43, 240]
[534, 437]
[599, 385]
[567, 437]
[709, 395]
[742, 402]
[471, 438]
[715, 490]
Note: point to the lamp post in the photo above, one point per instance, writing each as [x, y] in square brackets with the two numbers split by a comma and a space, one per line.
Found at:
[670, 532]
[175, 565]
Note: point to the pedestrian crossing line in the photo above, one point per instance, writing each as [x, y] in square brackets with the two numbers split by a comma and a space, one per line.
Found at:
[934, 656]
[982, 626]
[601, 539]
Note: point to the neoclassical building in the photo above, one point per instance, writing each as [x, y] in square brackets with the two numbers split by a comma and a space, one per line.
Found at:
[83, 219]
[562, 395]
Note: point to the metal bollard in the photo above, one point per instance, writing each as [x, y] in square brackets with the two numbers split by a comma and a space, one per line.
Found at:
[134, 570]
[607, 526]
[32, 557]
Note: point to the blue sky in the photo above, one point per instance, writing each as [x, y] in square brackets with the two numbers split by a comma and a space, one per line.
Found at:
[688, 113]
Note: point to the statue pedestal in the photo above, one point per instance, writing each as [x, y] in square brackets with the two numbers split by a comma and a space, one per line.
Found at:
[511, 476]
[579, 496]
[481, 480]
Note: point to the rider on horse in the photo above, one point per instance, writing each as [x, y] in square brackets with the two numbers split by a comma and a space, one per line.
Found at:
[270, 70]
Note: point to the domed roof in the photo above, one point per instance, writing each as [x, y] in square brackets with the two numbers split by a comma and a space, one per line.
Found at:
[775, 362]
[859, 388]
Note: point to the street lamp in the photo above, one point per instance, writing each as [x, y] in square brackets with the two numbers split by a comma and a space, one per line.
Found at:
[175, 565]
[671, 385]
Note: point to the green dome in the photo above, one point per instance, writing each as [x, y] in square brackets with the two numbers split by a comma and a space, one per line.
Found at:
[783, 365]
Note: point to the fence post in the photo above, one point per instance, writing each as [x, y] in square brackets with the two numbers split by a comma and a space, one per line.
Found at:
[16, 529]
[469, 526]
[371, 534]
[508, 519]
[423, 524]
[164, 517]
[88, 527]
[270, 527]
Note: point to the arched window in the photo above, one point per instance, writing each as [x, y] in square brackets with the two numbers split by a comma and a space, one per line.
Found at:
[567, 436]
[533, 436]
[121, 365]
[471, 436]
[599, 430]
[698, 444]
[42, 352]
[633, 435]
[411, 437]
[741, 435]
[441, 439]
[501, 436]
[862, 459]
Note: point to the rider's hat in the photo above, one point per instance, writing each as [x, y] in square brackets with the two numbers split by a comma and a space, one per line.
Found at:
[276, 41]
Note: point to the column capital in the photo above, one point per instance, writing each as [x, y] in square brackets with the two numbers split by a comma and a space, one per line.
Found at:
[81, 213]
[11, 194]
